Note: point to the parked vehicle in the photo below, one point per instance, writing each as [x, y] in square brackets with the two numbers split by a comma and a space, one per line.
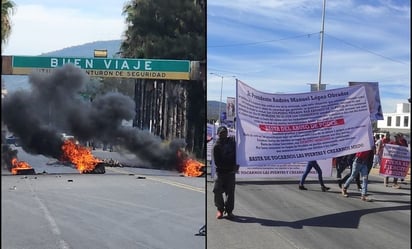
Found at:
[13, 140]
[65, 137]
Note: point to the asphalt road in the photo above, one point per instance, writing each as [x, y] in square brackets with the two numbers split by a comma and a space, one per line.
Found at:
[58, 208]
[156, 209]
[276, 214]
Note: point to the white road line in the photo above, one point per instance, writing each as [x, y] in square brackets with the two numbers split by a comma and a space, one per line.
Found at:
[177, 184]
[52, 222]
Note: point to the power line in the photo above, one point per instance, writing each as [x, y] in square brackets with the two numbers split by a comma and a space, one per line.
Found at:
[221, 71]
[260, 42]
[367, 50]
[308, 35]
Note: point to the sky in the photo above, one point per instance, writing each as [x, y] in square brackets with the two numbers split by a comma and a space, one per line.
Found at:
[41, 26]
[275, 46]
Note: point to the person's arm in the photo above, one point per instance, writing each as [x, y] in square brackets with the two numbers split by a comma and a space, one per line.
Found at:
[217, 155]
[378, 147]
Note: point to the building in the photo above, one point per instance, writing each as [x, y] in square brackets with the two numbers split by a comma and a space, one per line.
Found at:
[400, 121]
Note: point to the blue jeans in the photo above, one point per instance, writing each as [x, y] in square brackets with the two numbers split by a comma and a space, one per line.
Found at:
[362, 168]
[309, 166]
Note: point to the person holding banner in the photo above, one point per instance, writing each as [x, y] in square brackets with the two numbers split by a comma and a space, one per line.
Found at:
[378, 142]
[224, 156]
[360, 165]
[402, 142]
[309, 166]
[379, 148]
[399, 140]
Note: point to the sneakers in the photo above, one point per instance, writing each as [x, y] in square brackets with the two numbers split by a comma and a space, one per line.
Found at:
[324, 188]
[396, 186]
[301, 187]
[364, 198]
[344, 192]
[219, 215]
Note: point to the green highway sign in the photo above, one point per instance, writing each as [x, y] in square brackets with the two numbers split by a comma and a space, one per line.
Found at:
[106, 67]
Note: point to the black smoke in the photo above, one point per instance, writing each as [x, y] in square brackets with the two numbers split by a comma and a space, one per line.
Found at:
[54, 105]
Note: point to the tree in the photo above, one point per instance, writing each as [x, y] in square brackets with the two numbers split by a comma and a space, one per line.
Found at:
[165, 29]
[7, 8]
[168, 30]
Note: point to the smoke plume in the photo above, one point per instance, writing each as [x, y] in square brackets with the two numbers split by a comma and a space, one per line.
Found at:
[54, 106]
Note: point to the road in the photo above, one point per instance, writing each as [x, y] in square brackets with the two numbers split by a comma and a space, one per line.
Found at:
[276, 214]
[123, 208]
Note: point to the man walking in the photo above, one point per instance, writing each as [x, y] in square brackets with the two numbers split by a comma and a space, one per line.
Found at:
[224, 155]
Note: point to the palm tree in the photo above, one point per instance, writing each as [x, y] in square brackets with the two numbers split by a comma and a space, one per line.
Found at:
[168, 30]
[7, 8]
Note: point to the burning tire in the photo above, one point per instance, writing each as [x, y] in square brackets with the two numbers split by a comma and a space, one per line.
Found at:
[25, 171]
[99, 169]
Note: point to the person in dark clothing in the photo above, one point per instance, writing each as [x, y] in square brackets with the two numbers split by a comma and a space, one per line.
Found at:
[224, 155]
[340, 166]
[342, 163]
[309, 166]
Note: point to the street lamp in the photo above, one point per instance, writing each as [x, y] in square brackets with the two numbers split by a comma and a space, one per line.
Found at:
[221, 90]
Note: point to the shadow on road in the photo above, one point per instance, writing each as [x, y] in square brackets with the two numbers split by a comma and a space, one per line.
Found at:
[348, 219]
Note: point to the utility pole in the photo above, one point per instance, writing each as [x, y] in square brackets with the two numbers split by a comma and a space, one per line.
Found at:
[321, 45]
[221, 91]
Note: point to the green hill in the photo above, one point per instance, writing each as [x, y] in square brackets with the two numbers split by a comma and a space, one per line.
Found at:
[87, 50]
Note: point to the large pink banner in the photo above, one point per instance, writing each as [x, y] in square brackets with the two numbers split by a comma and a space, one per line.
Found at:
[395, 161]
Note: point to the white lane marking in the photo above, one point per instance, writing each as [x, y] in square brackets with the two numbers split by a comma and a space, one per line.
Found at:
[177, 184]
[52, 222]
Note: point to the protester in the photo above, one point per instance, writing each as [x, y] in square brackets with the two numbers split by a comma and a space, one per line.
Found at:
[309, 166]
[349, 161]
[379, 148]
[360, 165]
[224, 156]
[378, 142]
[402, 142]
[341, 165]
[399, 140]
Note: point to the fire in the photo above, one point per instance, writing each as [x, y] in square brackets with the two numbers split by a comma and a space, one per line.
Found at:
[80, 156]
[18, 165]
[188, 166]
[192, 167]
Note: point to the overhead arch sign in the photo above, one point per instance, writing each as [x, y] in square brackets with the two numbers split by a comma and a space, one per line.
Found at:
[102, 67]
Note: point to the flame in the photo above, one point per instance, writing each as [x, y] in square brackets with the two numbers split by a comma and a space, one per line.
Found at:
[80, 156]
[188, 166]
[17, 165]
[192, 168]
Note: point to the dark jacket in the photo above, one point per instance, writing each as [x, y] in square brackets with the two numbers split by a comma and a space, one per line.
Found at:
[224, 154]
